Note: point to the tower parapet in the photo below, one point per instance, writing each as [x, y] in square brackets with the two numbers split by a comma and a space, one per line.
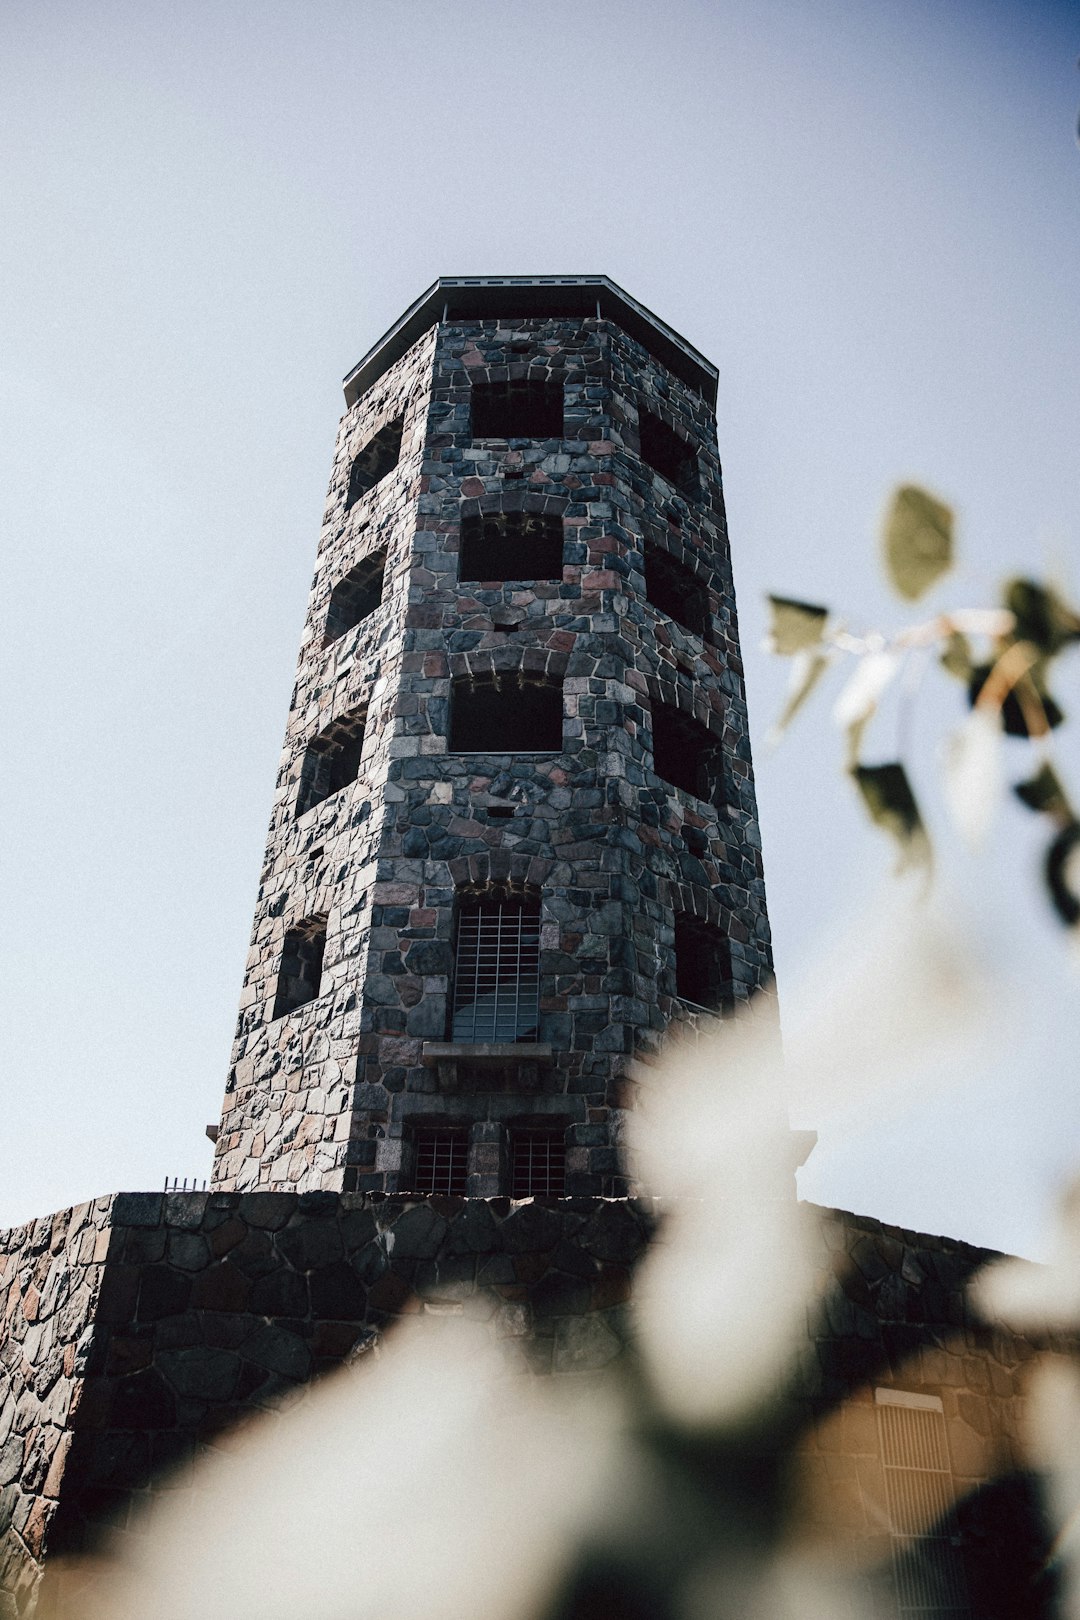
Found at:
[514, 836]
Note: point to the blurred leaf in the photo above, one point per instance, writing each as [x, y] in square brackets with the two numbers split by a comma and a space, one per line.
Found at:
[807, 668]
[957, 656]
[918, 541]
[973, 774]
[794, 627]
[1044, 793]
[1063, 874]
[722, 1300]
[1028, 709]
[890, 801]
[1042, 617]
[857, 703]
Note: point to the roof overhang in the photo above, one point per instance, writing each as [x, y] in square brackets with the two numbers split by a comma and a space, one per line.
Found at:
[479, 298]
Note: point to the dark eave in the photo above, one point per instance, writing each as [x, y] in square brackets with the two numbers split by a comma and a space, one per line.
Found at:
[481, 298]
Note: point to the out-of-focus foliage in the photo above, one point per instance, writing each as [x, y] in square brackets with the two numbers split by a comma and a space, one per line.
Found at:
[1003, 656]
[918, 541]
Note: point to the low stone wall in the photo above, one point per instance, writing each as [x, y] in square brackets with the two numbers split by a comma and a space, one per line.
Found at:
[50, 1279]
[895, 1325]
[176, 1314]
[141, 1326]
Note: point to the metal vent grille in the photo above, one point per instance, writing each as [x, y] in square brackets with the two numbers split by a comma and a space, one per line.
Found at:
[497, 972]
[537, 1164]
[441, 1161]
[927, 1567]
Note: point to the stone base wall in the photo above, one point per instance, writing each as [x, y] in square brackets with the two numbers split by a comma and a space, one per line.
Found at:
[50, 1279]
[141, 1326]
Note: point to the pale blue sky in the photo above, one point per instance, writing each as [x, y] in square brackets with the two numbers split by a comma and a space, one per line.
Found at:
[864, 212]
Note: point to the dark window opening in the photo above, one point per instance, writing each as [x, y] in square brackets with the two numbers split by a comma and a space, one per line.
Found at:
[441, 1160]
[671, 587]
[702, 965]
[497, 970]
[355, 596]
[687, 755]
[538, 1163]
[668, 454]
[378, 457]
[300, 974]
[511, 545]
[332, 761]
[500, 812]
[523, 409]
[506, 714]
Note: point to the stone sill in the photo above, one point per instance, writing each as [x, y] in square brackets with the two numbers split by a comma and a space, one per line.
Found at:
[487, 1051]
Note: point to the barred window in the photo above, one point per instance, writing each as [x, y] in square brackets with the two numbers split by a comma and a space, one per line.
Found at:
[538, 1163]
[510, 545]
[355, 596]
[441, 1161]
[927, 1568]
[300, 974]
[497, 970]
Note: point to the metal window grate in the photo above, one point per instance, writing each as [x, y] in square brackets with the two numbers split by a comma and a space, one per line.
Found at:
[537, 1164]
[927, 1567]
[441, 1161]
[497, 972]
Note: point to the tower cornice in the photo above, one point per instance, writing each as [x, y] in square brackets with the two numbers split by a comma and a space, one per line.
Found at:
[534, 297]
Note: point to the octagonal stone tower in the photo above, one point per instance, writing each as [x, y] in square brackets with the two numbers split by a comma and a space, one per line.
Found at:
[514, 835]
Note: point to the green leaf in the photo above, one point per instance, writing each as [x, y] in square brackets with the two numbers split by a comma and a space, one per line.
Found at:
[956, 657]
[1041, 616]
[794, 627]
[918, 541]
[888, 797]
[1044, 794]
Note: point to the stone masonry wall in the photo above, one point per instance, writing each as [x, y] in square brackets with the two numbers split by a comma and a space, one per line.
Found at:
[329, 1096]
[288, 1104]
[139, 1327]
[50, 1279]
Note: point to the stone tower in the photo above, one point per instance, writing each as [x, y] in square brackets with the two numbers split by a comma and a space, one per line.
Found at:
[514, 834]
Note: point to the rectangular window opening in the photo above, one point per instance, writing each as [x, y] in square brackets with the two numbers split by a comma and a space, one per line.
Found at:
[510, 545]
[673, 589]
[331, 761]
[688, 755]
[378, 457]
[356, 595]
[521, 409]
[702, 966]
[668, 454]
[506, 716]
[300, 974]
